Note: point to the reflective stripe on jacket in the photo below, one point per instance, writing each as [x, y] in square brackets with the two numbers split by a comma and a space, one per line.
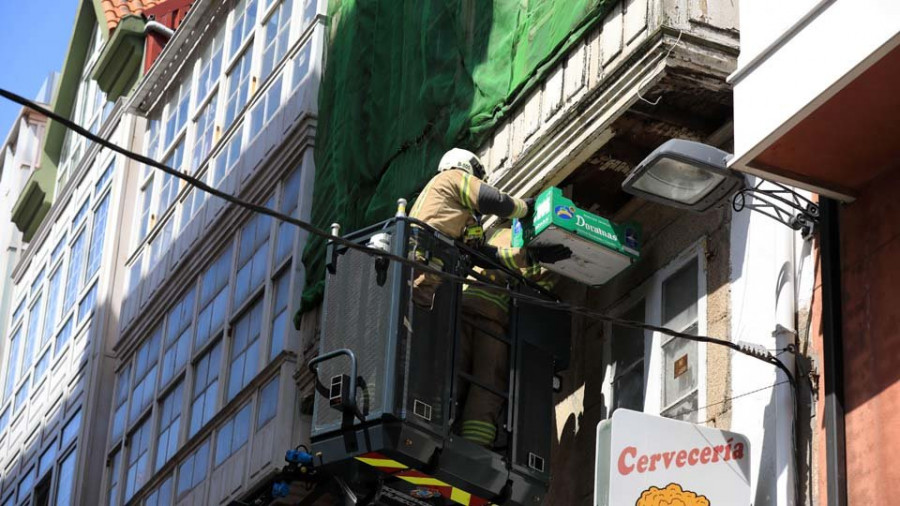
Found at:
[494, 304]
[451, 199]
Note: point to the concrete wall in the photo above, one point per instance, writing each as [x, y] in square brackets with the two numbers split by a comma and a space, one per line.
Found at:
[766, 256]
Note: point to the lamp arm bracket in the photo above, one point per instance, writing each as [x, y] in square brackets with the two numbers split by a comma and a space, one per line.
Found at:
[780, 203]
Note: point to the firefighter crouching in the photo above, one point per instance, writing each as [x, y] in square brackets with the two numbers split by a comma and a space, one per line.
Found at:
[453, 202]
[485, 317]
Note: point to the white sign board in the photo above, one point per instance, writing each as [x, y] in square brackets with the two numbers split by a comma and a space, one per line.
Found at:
[646, 460]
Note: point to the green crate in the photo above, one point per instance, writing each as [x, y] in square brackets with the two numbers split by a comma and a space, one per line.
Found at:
[600, 248]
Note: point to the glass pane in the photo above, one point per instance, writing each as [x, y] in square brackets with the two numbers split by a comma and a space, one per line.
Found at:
[65, 480]
[628, 389]
[679, 297]
[628, 343]
[680, 369]
[685, 410]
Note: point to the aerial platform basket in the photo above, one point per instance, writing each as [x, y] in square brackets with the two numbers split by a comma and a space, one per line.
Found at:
[389, 385]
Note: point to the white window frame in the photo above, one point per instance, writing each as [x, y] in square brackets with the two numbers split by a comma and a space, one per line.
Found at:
[651, 292]
[274, 9]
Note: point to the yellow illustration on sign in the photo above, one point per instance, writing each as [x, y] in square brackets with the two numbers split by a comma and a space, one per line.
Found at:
[672, 495]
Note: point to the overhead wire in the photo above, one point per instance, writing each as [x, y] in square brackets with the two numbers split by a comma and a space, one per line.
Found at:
[418, 266]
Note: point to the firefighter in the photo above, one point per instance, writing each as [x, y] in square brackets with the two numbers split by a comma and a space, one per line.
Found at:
[485, 317]
[453, 202]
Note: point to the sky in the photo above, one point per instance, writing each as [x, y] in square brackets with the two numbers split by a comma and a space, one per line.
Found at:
[34, 37]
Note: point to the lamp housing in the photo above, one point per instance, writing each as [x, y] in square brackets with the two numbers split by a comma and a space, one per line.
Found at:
[684, 174]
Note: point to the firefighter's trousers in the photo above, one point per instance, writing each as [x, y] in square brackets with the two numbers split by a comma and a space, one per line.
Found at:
[486, 359]
[426, 284]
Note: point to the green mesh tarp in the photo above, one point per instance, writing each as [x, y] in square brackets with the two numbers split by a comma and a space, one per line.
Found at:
[406, 80]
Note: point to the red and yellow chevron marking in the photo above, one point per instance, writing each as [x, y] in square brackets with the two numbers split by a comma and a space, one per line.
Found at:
[421, 479]
[381, 462]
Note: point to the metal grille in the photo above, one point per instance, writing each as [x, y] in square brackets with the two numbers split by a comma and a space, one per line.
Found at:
[355, 316]
[427, 369]
[534, 402]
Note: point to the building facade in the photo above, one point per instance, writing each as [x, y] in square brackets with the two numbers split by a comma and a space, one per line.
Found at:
[19, 157]
[649, 71]
[819, 112]
[150, 356]
[652, 71]
[56, 350]
[204, 404]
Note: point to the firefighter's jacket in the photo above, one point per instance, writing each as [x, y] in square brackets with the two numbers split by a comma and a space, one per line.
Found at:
[453, 198]
[491, 304]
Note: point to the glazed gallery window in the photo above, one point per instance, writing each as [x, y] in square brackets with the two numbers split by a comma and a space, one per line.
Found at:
[66, 480]
[672, 298]
[213, 298]
[162, 496]
[233, 435]
[206, 388]
[115, 464]
[266, 106]
[280, 313]
[76, 263]
[145, 368]
[226, 159]
[121, 403]
[628, 362]
[178, 337]
[245, 350]
[290, 201]
[204, 131]
[192, 471]
[138, 470]
[178, 111]
[268, 403]
[680, 294]
[51, 315]
[277, 32]
[238, 79]
[253, 256]
[12, 360]
[98, 233]
[169, 425]
[211, 66]
[244, 19]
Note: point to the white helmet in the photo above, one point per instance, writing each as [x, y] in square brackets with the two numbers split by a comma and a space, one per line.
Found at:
[464, 160]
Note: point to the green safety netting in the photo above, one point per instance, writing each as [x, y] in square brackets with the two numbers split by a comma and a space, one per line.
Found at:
[406, 80]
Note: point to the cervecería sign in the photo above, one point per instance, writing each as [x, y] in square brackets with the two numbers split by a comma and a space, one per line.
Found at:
[646, 460]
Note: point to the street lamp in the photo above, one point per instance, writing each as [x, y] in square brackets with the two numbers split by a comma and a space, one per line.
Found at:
[694, 176]
[684, 174]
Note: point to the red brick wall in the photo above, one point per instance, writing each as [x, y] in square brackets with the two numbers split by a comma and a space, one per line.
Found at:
[870, 269]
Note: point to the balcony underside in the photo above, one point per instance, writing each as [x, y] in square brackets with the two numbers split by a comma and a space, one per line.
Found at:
[671, 87]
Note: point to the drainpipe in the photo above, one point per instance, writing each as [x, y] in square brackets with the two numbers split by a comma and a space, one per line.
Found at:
[833, 353]
[155, 26]
[785, 334]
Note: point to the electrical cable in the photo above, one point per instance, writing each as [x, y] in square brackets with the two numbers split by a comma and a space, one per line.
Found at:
[418, 266]
[738, 396]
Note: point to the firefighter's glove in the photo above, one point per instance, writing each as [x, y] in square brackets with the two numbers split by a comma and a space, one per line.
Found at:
[488, 251]
[529, 205]
[548, 253]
